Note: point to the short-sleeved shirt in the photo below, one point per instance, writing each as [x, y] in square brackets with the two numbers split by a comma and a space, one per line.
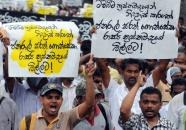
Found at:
[99, 122]
[64, 121]
[138, 122]
[116, 97]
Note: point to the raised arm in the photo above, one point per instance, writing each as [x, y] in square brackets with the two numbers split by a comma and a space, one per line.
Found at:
[9, 82]
[159, 71]
[4, 36]
[105, 72]
[87, 105]
[125, 110]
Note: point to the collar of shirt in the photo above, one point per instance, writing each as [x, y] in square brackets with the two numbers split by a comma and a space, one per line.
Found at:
[96, 113]
[161, 122]
[25, 84]
[40, 116]
[73, 84]
[27, 87]
[96, 110]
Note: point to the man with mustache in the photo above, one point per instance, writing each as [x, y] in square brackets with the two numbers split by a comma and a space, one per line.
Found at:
[129, 70]
[150, 104]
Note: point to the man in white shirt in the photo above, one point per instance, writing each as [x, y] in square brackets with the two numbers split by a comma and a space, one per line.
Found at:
[69, 87]
[178, 86]
[177, 111]
[130, 69]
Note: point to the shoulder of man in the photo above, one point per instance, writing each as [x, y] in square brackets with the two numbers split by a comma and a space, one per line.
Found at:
[105, 113]
[28, 122]
[178, 99]
[8, 101]
[167, 123]
[1, 99]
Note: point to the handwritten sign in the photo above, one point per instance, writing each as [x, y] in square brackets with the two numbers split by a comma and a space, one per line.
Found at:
[135, 29]
[84, 24]
[43, 49]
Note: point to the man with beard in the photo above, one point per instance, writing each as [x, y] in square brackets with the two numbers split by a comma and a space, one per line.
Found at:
[129, 70]
[150, 104]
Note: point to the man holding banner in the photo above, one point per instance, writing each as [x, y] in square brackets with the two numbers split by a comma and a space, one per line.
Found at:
[130, 29]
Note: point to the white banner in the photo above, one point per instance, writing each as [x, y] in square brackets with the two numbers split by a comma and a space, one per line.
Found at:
[135, 29]
[43, 49]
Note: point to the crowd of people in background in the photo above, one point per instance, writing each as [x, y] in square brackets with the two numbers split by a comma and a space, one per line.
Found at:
[55, 7]
[108, 94]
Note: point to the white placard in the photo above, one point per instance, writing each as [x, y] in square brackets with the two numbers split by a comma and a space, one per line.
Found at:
[135, 29]
[43, 49]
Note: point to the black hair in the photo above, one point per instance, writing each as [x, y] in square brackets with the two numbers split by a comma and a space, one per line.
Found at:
[151, 90]
[126, 62]
[97, 72]
[181, 18]
[178, 81]
[86, 46]
[145, 66]
[182, 50]
[182, 33]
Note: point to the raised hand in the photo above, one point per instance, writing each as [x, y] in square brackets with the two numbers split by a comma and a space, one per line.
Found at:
[141, 79]
[4, 36]
[90, 67]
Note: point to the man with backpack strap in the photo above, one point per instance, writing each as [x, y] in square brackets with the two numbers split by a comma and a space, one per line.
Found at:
[99, 117]
[48, 117]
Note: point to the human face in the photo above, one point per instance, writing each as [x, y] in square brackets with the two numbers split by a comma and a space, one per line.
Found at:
[181, 59]
[130, 74]
[177, 89]
[152, 62]
[150, 105]
[99, 83]
[51, 103]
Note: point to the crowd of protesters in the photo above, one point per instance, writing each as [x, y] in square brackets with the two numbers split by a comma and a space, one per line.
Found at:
[108, 94]
[55, 7]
